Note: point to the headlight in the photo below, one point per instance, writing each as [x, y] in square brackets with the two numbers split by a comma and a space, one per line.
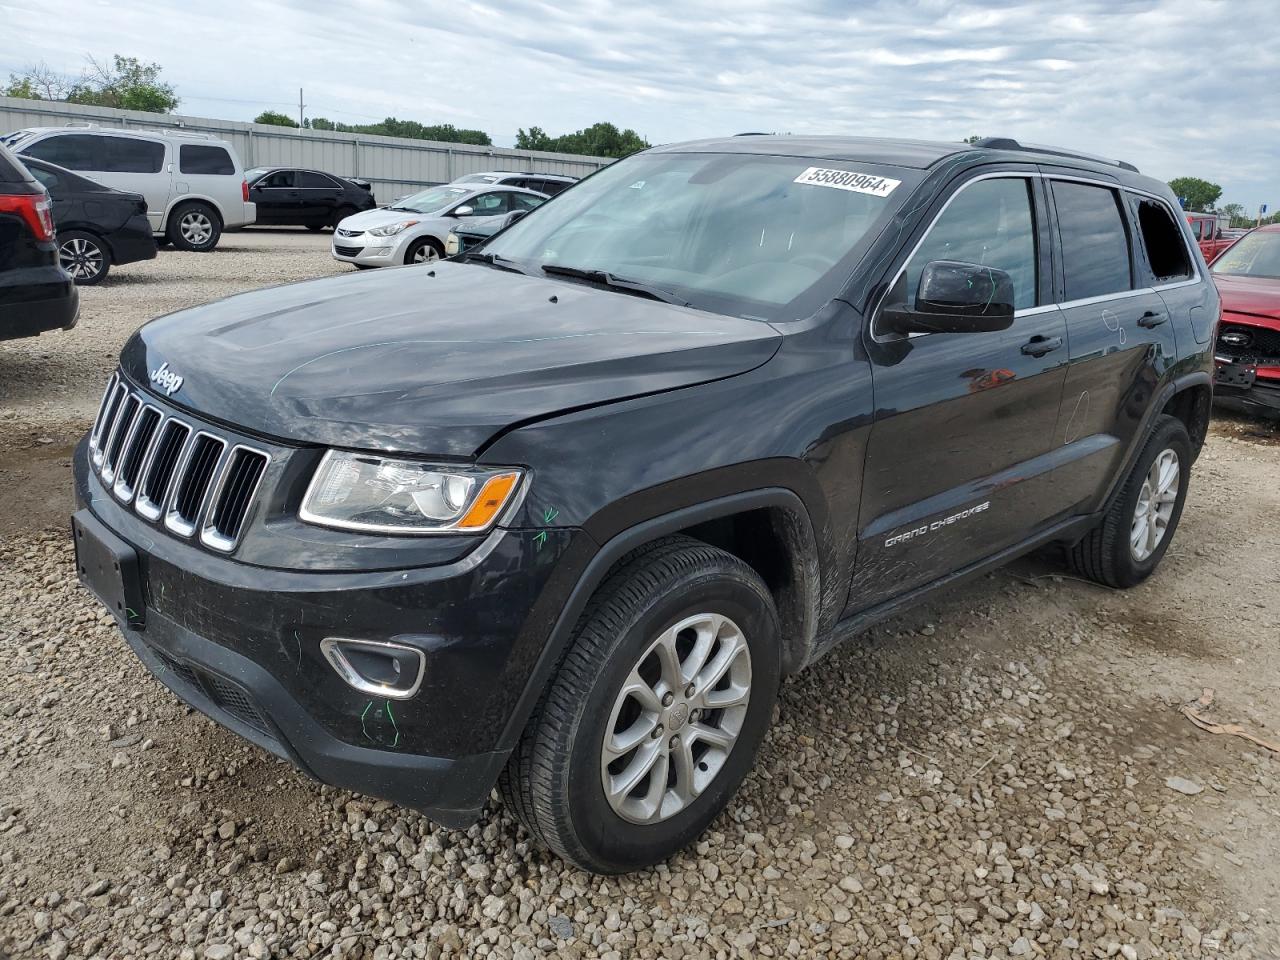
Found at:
[391, 229]
[356, 491]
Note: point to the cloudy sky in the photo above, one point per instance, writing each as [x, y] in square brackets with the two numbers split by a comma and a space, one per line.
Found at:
[1179, 87]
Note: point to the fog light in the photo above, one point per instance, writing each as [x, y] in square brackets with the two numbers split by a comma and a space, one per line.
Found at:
[376, 667]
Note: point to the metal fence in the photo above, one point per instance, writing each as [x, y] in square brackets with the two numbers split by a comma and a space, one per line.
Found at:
[394, 165]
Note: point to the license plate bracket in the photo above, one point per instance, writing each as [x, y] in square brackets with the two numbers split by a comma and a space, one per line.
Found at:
[108, 567]
[1240, 375]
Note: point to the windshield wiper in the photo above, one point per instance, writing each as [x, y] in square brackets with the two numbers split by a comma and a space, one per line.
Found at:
[403, 209]
[491, 260]
[607, 279]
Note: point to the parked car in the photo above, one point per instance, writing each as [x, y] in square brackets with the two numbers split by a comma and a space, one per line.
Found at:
[306, 198]
[193, 183]
[415, 228]
[473, 231]
[1207, 229]
[36, 294]
[1248, 351]
[96, 225]
[561, 514]
[548, 183]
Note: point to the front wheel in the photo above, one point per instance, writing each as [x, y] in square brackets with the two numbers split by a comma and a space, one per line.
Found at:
[656, 713]
[195, 227]
[423, 250]
[1128, 544]
[84, 256]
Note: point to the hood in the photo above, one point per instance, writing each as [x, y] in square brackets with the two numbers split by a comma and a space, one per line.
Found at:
[381, 216]
[431, 361]
[1258, 296]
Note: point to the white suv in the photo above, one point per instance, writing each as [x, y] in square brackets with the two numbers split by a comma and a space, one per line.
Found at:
[194, 183]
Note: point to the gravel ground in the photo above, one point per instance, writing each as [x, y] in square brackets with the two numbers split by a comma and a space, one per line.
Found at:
[1000, 773]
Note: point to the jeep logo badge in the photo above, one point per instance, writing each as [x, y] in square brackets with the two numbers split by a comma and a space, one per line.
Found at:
[166, 380]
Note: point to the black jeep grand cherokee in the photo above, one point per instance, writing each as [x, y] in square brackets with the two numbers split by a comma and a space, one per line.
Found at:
[561, 515]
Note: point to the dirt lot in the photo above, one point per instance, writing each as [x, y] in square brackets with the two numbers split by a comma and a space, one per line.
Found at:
[987, 776]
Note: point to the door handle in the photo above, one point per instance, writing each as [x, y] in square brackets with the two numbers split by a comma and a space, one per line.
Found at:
[1152, 318]
[1038, 346]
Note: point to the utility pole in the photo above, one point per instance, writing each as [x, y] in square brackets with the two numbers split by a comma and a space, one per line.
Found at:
[301, 106]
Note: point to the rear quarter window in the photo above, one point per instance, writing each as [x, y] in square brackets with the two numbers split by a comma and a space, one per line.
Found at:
[200, 159]
[1095, 243]
[1162, 242]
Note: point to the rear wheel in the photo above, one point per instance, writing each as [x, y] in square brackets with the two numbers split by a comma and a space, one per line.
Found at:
[656, 713]
[424, 250]
[194, 226]
[1127, 546]
[84, 256]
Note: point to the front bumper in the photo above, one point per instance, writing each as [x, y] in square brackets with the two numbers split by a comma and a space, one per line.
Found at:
[1257, 392]
[371, 251]
[242, 645]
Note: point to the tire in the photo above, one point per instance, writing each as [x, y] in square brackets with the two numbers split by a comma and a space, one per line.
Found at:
[339, 215]
[85, 256]
[424, 250]
[670, 591]
[194, 226]
[1108, 554]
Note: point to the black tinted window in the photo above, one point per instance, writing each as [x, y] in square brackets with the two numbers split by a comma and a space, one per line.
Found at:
[75, 151]
[309, 179]
[50, 179]
[1095, 246]
[125, 155]
[281, 178]
[988, 222]
[194, 158]
[1162, 242]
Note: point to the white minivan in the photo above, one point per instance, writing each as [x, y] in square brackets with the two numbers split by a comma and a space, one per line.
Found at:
[193, 182]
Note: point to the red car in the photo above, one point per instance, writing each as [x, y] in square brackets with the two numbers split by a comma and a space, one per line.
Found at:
[1204, 227]
[1248, 348]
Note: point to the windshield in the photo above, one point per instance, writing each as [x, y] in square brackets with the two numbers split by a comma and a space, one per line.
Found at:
[255, 173]
[1255, 254]
[429, 201]
[479, 178]
[759, 236]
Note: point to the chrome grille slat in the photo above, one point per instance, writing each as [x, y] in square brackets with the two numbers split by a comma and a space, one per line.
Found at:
[173, 471]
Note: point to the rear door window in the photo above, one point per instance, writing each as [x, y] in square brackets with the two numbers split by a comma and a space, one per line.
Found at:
[1163, 247]
[488, 204]
[989, 222]
[127, 155]
[199, 159]
[75, 151]
[1095, 243]
[318, 180]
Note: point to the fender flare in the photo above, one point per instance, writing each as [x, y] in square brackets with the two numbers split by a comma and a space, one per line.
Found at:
[618, 546]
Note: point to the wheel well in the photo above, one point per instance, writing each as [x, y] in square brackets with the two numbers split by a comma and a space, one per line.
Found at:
[776, 544]
[213, 208]
[1191, 406]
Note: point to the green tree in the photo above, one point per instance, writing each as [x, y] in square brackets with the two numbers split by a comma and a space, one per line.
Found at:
[125, 83]
[412, 129]
[37, 82]
[597, 140]
[1200, 194]
[1236, 212]
[275, 118]
[973, 139]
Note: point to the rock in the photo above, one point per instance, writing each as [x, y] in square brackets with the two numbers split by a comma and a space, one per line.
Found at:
[219, 951]
[1183, 785]
[562, 927]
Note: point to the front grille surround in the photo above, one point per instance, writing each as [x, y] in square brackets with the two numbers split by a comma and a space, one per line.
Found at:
[173, 470]
[1262, 346]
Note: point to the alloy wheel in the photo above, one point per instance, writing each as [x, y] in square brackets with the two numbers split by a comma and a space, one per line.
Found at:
[426, 254]
[676, 718]
[81, 258]
[1156, 500]
[196, 228]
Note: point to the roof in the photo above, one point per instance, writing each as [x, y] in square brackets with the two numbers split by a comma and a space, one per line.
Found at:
[914, 154]
[109, 131]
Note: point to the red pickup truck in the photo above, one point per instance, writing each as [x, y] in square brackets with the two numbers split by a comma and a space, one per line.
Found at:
[1205, 228]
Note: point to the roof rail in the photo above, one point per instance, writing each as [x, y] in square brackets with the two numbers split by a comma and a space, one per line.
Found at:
[1008, 143]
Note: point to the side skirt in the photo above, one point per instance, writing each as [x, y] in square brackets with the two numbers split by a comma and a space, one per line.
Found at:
[1067, 530]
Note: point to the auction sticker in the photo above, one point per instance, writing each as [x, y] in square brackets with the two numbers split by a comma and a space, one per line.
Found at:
[850, 180]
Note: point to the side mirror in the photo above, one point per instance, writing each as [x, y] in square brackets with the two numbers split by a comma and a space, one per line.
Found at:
[513, 216]
[955, 297]
[463, 211]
